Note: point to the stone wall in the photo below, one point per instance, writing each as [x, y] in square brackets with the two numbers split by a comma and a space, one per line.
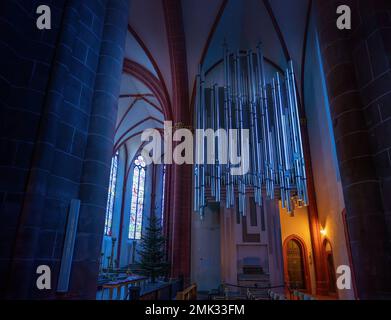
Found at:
[59, 92]
[357, 69]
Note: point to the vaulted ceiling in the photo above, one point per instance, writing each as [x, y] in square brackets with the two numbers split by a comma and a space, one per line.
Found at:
[146, 91]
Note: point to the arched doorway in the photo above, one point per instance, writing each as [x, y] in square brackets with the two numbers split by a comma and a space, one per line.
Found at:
[296, 268]
[328, 256]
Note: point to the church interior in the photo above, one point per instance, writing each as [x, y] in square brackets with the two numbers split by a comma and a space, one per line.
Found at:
[80, 201]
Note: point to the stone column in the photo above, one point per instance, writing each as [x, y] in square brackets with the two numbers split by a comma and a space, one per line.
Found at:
[357, 69]
[180, 204]
[98, 154]
[22, 267]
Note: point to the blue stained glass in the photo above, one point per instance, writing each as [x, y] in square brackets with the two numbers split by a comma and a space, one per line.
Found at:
[137, 203]
[111, 195]
[163, 191]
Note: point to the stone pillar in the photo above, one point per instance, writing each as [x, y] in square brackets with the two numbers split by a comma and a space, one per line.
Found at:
[357, 69]
[180, 221]
[372, 57]
[22, 266]
[99, 149]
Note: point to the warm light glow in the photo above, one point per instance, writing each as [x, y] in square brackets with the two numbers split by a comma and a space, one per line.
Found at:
[323, 232]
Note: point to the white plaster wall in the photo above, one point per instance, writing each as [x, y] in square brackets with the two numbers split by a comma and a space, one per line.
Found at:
[268, 250]
[273, 230]
[205, 249]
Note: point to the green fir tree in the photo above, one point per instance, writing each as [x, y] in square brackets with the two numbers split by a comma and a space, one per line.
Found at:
[152, 254]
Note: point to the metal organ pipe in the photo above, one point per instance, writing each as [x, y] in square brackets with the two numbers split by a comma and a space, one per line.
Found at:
[196, 198]
[256, 156]
[231, 123]
[265, 125]
[240, 101]
[203, 165]
[270, 112]
[280, 152]
[212, 123]
[227, 110]
[217, 127]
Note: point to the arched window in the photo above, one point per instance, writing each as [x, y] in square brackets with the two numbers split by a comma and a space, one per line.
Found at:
[111, 195]
[163, 192]
[137, 204]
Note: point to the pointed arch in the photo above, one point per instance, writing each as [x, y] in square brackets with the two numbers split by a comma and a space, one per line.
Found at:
[304, 257]
[154, 84]
[137, 199]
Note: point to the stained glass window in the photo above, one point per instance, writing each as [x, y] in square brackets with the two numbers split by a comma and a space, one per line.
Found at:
[163, 191]
[111, 195]
[137, 204]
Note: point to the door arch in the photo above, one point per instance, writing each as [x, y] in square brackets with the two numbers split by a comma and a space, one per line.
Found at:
[296, 268]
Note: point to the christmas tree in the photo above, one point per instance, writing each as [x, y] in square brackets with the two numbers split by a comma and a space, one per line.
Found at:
[152, 251]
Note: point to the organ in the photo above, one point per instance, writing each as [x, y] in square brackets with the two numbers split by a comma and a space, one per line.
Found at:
[269, 110]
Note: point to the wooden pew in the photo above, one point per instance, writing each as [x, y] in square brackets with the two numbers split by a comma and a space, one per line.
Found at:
[188, 294]
[118, 285]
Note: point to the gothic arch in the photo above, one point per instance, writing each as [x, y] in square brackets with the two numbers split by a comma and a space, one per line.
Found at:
[304, 257]
[154, 84]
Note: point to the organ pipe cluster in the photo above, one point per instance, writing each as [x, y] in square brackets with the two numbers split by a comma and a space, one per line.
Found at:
[269, 110]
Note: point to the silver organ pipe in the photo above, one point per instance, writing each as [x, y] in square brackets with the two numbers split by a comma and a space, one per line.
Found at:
[227, 125]
[265, 124]
[279, 141]
[299, 153]
[217, 127]
[231, 125]
[202, 147]
[240, 101]
[269, 111]
[196, 199]
[212, 122]
[255, 152]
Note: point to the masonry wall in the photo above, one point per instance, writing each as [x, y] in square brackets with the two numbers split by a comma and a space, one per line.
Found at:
[357, 69]
[22, 96]
[50, 110]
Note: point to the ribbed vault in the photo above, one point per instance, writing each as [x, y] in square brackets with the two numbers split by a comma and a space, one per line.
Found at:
[146, 89]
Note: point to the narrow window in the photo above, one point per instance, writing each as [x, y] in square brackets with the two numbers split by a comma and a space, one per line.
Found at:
[137, 204]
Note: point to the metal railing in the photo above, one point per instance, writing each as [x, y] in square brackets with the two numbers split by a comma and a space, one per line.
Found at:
[248, 292]
[166, 291]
